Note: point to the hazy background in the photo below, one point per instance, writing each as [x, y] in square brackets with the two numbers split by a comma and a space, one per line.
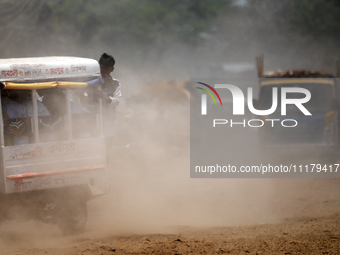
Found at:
[158, 45]
[176, 39]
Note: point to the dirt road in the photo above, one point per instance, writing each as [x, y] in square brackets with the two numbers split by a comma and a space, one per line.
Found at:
[303, 236]
[160, 213]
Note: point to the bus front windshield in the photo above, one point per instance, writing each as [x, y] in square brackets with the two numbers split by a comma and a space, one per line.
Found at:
[321, 97]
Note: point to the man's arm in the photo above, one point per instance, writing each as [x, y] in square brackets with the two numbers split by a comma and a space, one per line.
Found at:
[96, 82]
[115, 99]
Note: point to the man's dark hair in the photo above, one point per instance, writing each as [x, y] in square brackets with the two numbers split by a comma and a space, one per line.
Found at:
[107, 60]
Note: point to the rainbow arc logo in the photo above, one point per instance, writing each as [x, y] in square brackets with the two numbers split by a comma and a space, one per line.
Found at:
[209, 93]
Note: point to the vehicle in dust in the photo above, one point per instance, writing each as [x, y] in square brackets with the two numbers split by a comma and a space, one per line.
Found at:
[316, 134]
[53, 157]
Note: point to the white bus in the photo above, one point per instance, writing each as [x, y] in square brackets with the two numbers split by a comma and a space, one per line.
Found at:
[53, 157]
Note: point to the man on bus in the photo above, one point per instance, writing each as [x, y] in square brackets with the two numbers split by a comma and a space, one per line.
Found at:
[109, 90]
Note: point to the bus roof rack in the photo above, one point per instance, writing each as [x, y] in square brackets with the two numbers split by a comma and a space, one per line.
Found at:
[47, 68]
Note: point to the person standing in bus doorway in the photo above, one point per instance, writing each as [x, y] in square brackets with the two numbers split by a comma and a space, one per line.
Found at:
[109, 90]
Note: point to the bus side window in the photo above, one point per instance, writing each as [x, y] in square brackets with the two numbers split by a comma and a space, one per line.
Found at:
[52, 126]
[17, 125]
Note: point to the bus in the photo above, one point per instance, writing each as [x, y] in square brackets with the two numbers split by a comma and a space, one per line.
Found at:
[53, 154]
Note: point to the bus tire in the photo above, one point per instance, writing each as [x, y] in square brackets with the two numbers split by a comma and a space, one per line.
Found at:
[72, 213]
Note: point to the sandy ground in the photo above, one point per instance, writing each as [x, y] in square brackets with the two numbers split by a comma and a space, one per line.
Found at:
[299, 235]
[294, 216]
[155, 208]
[312, 236]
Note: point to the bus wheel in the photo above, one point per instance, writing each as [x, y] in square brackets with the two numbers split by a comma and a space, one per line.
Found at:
[72, 213]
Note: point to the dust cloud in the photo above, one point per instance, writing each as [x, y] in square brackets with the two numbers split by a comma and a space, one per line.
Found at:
[151, 189]
[150, 186]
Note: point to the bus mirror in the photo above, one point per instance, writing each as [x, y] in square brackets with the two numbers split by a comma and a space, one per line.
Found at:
[2, 85]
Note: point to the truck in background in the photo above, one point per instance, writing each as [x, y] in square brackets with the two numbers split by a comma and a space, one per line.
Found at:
[316, 134]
